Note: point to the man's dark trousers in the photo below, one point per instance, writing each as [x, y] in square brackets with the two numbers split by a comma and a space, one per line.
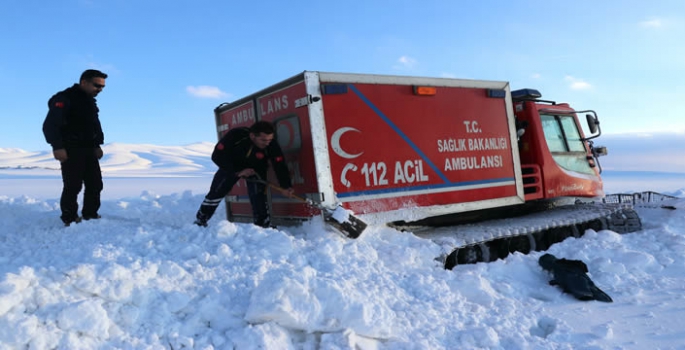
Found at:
[82, 168]
[222, 184]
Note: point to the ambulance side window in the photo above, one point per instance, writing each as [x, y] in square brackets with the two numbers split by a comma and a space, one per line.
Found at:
[288, 133]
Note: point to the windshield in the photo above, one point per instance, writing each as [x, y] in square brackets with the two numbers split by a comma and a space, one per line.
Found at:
[565, 143]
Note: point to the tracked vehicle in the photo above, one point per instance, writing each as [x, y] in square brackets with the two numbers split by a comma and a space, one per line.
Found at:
[488, 169]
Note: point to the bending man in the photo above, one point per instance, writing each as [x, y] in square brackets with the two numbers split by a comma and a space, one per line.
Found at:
[242, 153]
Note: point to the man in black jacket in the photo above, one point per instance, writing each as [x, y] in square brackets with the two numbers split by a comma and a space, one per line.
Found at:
[72, 127]
[243, 153]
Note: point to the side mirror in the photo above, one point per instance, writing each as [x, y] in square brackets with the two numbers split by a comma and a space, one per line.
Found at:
[600, 151]
[592, 123]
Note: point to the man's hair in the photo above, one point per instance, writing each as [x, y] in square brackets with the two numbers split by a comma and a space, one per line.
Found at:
[89, 74]
[262, 127]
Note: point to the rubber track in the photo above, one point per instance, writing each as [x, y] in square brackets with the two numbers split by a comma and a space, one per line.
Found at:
[495, 239]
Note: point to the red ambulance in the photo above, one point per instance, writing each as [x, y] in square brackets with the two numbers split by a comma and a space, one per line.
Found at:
[400, 148]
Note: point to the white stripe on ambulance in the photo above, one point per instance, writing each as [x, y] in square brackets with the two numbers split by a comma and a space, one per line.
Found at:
[408, 191]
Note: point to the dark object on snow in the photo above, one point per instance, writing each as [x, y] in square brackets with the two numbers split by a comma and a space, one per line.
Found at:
[571, 276]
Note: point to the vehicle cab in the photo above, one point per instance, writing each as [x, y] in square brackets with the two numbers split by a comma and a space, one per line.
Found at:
[557, 159]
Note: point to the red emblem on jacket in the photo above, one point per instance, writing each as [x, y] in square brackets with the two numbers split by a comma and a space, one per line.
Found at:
[59, 104]
[220, 146]
[279, 159]
[259, 155]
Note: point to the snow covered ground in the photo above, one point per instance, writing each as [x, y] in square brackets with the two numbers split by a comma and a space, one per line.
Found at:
[144, 277]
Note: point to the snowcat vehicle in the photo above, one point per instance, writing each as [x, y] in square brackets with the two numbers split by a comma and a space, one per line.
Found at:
[480, 169]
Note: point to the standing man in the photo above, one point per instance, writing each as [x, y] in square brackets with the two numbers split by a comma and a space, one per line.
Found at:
[241, 153]
[73, 129]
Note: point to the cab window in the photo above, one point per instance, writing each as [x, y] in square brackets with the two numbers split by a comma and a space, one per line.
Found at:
[565, 143]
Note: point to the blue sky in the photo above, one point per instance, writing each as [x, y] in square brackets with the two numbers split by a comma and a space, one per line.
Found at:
[170, 63]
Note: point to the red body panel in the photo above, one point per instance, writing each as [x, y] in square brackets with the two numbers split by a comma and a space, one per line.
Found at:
[292, 122]
[294, 138]
[387, 142]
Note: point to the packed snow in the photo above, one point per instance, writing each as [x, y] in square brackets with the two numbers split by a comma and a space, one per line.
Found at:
[145, 277]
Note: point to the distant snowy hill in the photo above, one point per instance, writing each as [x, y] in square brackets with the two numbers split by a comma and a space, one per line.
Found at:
[632, 155]
[120, 160]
